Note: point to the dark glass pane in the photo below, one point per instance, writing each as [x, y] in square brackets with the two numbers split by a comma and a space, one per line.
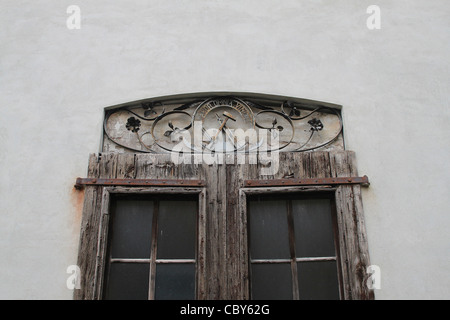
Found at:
[132, 229]
[318, 280]
[175, 282]
[271, 281]
[128, 281]
[313, 228]
[177, 229]
[269, 238]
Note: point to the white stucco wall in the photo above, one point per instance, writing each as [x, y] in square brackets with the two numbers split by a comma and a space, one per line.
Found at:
[393, 85]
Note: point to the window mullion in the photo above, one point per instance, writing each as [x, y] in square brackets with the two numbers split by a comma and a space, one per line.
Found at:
[154, 246]
[295, 289]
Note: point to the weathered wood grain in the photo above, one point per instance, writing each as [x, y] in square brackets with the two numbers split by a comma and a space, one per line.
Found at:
[88, 245]
[354, 253]
[222, 250]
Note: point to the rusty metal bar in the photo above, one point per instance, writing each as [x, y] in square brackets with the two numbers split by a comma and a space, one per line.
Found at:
[364, 181]
[81, 182]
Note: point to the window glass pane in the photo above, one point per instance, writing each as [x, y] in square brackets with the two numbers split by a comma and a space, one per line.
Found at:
[318, 280]
[271, 281]
[132, 229]
[175, 282]
[313, 228]
[177, 229]
[128, 281]
[269, 238]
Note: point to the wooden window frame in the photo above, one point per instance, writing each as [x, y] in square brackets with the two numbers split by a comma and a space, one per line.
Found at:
[222, 263]
[100, 265]
[349, 287]
[293, 260]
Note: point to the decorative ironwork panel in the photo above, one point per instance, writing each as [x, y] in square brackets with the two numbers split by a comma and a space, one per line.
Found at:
[222, 124]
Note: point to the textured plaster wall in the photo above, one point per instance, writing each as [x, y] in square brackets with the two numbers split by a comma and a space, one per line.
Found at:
[393, 85]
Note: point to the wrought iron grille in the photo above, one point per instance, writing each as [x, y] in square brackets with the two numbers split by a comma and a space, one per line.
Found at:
[222, 124]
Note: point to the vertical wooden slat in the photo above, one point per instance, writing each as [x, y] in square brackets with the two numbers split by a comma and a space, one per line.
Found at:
[153, 253]
[337, 250]
[101, 261]
[126, 166]
[244, 254]
[244, 171]
[108, 165]
[222, 251]
[320, 165]
[107, 169]
[340, 167]
[363, 249]
[232, 232]
[119, 166]
[222, 227]
[304, 166]
[87, 245]
[103, 166]
[144, 166]
[201, 248]
[354, 256]
[216, 184]
[290, 221]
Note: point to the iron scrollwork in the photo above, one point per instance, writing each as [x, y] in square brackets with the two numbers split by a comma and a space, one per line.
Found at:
[155, 127]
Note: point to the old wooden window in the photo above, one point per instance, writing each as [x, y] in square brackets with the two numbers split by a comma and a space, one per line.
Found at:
[293, 253]
[152, 248]
[149, 243]
[226, 263]
[229, 154]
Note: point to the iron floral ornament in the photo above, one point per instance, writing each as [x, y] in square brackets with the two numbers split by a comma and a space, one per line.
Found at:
[222, 124]
[133, 124]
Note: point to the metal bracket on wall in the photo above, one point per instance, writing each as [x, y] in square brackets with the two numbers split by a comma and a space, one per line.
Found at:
[81, 182]
[363, 181]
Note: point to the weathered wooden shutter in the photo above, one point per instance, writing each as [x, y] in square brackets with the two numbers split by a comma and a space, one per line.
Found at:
[225, 275]
[352, 230]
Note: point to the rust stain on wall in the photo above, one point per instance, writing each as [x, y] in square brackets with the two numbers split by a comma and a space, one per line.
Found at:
[77, 200]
